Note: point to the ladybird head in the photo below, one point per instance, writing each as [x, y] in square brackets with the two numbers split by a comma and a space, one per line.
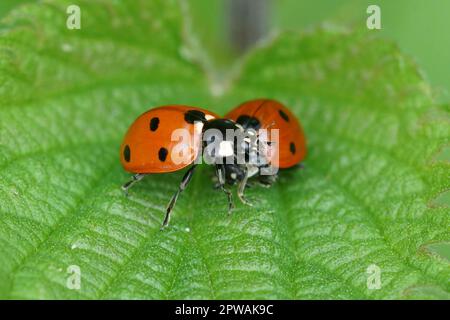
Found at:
[228, 142]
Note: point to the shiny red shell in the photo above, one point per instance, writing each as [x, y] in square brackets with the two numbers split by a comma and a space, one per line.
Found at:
[271, 114]
[148, 146]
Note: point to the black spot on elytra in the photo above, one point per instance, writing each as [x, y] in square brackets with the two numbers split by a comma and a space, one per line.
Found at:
[127, 153]
[194, 115]
[292, 148]
[248, 122]
[283, 115]
[162, 154]
[154, 123]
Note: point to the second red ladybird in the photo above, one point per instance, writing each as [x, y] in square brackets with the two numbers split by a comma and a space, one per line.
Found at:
[270, 114]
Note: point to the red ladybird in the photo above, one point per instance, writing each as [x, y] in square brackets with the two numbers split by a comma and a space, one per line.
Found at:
[149, 146]
[271, 114]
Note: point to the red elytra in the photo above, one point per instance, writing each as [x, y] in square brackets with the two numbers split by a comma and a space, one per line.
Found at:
[148, 146]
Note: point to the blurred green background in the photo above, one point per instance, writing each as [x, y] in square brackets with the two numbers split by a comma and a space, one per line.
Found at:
[419, 27]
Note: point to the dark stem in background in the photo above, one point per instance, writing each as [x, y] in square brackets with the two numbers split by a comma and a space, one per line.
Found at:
[247, 22]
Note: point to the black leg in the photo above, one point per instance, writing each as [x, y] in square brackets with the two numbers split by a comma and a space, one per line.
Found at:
[220, 172]
[184, 182]
[241, 189]
[135, 178]
[267, 180]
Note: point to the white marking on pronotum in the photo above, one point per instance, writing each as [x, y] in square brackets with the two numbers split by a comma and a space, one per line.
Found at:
[187, 146]
[225, 149]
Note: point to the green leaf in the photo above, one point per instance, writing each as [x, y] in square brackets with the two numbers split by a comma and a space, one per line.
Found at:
[403, 21]
[365, 197]
[7, 5]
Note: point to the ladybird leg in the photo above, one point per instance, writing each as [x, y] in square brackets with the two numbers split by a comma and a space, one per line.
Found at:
[184, 182]
[221, 176]
[267, 181]
[216, 184]
[264, 185]
[241, 190]
[135, 178]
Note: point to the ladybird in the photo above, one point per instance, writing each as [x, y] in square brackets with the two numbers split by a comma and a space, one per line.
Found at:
[229, 144]
[148, 144]
[267, 113]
